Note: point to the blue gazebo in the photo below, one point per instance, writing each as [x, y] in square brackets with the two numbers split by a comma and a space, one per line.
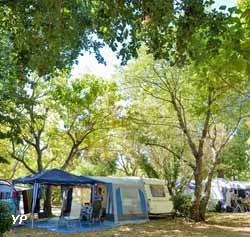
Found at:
[126, 200]
[51, 177]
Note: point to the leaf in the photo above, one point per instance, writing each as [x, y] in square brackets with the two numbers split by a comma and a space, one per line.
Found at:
[232, 9]
[3, 160]
[223, 7]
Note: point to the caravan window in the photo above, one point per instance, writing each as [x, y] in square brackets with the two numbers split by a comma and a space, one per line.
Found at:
[157, 191]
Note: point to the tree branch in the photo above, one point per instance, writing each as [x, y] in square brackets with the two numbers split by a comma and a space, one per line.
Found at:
[172, 152]
[23, 162]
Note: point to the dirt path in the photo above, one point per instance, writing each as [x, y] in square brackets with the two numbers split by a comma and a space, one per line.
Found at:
[219, 225]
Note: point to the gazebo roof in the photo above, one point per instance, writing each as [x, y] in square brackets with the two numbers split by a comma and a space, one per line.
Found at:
[55, 177]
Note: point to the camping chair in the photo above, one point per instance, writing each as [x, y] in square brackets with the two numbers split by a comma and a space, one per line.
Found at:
[97, 211]
[237, 207]
[86, 213]
[74, 216]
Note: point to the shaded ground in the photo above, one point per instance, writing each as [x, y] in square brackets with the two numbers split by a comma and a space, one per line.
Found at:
[218, 225]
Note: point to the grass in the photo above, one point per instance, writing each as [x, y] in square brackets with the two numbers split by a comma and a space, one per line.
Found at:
[217, 225]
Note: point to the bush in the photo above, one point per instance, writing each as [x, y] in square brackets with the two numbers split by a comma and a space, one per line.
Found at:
[56, 196]
[5, 218]
[182, 204]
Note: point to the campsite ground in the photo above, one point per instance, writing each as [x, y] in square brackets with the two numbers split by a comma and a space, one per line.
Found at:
[217, 225]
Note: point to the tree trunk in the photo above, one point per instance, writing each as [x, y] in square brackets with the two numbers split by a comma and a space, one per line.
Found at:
[72, 153]
[47, 203]
[207, 190]
[196, 206]
[39, 160]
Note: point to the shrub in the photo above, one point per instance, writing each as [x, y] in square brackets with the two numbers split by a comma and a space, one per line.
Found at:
[5, 218]
[182, 204]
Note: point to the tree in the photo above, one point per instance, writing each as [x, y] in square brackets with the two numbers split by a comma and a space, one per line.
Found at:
[11, 93]
[39, 27]
[200, 109]
[31, 142]
[64, 120]
[152, 145]
[169, 32]
[41, 37]
[47, 35]
[128, 151]
[87, 111]
[99, 159]
[76, 111]
[32, 33]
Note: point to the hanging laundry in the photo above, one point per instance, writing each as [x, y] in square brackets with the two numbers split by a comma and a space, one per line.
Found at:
[5, 195]
[27, 200]
[15, 194]
[67, 205]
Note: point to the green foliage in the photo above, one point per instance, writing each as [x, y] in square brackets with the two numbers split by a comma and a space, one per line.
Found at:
[87, 110]
[182, 204]
[235, 160]
[5, 217]
[56, 196]
[47, 35]
[3, 160]
[148, 168]
[103, 168]
[42, 37]
[65, 120]
[174, 171]
[189, 108]
[168, 31]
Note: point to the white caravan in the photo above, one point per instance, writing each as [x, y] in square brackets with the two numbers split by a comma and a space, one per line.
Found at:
[159, 199]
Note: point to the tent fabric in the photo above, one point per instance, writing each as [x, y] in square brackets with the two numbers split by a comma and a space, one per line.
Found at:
[126, 197]
[130, 180]
[54, 177]
[9, 195]
[243, 185]
[219, 189]
[5, 187]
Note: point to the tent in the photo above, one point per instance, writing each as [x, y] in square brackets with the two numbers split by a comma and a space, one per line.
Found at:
[11, 194]
[219, 187]
[126, 199]
[240, 185]
[6, 195]
[50, 177]
[5, 187]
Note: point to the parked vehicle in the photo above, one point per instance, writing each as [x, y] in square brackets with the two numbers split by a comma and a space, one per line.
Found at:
[159, 199]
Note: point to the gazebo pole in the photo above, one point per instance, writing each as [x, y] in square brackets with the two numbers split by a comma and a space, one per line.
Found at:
[11, 195]
[64, 198]
[34, 197]
[92, 193]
